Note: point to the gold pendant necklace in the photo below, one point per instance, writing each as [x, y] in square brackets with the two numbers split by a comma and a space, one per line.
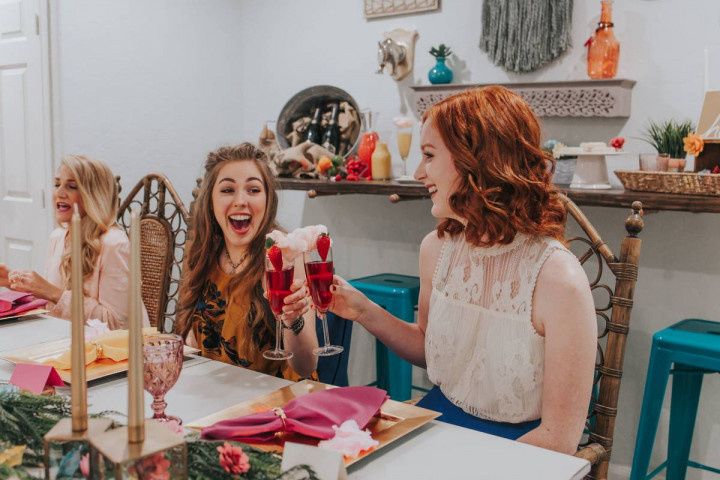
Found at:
[233, 265]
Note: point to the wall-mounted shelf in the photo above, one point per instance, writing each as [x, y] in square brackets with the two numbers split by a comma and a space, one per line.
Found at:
[598, 198]
[583, 98]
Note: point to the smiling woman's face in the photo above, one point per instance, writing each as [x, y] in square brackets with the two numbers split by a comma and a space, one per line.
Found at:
[437, 172]
[239, 199]
[66, 194]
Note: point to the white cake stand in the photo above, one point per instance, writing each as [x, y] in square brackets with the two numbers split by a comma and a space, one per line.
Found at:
[590, 169]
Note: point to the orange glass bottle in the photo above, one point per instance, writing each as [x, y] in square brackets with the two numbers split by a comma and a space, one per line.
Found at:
[603, 48]
[368, 139]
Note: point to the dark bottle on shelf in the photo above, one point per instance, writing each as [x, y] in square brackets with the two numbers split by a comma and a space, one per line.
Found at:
[331, 138]
[314, 131]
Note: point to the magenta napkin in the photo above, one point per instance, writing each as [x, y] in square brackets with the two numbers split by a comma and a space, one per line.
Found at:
[312, 415]
[14, 303]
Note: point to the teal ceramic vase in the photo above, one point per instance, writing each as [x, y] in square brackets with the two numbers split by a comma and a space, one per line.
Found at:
[440, 73]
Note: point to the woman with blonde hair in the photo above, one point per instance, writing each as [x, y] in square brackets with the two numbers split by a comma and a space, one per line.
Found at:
[506, 322]
[223, 310]
[89, 184]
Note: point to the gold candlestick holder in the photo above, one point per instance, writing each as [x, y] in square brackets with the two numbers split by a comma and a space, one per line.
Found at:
[69, 440]
[161, 454]
[144, 448]
[66, 448]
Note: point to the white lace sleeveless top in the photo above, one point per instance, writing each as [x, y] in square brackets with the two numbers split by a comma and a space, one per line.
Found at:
[480, 345]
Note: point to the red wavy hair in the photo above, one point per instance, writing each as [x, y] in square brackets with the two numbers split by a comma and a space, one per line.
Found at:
[505, 182]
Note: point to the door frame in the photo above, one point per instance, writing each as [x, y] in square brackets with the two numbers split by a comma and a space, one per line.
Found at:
[48, 29]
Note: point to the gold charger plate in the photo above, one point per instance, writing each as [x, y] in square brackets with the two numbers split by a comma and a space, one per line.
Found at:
[42, 352]
[395, 420]
[29, 313]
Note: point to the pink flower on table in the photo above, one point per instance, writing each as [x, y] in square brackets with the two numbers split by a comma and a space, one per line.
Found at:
[95, 328]
[232, 459]
[174, 426]
[617, 142]
[154, 467]
[85, 465]
[350, 440]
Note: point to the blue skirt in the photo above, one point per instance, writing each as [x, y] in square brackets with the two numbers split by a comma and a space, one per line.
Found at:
[451, 413]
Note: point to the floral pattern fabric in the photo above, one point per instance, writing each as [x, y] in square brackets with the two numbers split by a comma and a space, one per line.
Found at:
[222, 325]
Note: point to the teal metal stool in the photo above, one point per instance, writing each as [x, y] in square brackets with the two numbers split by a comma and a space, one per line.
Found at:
[693, 346]
[398, 294]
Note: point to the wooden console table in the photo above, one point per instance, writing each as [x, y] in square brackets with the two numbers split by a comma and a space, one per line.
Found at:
[596, 198]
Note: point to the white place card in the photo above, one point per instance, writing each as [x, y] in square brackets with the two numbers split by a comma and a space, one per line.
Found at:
[327, 464]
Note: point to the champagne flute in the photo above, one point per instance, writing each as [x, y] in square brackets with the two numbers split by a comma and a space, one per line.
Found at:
[269, 136]
[404, 139]
[319, 271]
[278, 282]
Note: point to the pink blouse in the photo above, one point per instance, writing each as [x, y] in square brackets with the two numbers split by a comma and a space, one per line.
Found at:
[106, 289]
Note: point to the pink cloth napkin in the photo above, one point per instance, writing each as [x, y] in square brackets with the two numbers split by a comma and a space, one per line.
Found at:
[313, 415]
[14, 303]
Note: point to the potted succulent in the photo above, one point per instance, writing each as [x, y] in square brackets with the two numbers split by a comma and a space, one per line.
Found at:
[667, 138]
[440, 73]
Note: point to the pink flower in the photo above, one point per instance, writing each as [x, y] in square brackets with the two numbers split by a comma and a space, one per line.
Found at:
[95, 328]
[232, 459]
[349, 440]
[174, 426]
[617, 142]
[85, 465]
[154, 467]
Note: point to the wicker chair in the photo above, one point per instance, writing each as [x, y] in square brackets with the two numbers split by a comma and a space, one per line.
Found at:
[614, 320]
[163, 232]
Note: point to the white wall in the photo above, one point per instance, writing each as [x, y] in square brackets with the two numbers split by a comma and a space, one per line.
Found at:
[155, 85]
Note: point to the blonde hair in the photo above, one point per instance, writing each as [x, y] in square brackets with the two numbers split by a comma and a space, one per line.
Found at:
[98, 190]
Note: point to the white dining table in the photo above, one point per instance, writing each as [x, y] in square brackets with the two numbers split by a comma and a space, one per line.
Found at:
[435, 451]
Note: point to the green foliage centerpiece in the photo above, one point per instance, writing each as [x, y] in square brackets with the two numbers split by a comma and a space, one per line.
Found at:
[25, 418]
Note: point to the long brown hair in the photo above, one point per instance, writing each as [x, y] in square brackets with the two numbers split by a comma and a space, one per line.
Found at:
[207, 241]
[505, 182]
[98, 190]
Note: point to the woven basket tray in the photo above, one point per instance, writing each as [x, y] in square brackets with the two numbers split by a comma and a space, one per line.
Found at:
[670, 182]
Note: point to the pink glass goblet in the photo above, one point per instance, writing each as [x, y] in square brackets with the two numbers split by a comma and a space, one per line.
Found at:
[163, 354]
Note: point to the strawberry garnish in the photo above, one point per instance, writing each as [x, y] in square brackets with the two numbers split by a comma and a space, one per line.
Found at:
[323, 246]
[274, 254]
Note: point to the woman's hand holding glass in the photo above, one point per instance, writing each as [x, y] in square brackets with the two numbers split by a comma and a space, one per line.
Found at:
[319, 272]
[347, 302]
[289, 299]
[297, 303]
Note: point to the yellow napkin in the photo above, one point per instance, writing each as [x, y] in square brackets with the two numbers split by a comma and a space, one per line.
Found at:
[12, 457]
[112, 345]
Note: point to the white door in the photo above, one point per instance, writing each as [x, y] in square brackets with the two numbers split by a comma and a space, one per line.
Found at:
[24, 118]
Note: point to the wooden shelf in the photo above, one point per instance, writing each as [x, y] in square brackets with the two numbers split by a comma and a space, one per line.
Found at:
[579, 98]
[593, 198]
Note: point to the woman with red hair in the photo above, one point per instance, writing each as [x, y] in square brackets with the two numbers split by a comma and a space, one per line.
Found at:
[506, 323]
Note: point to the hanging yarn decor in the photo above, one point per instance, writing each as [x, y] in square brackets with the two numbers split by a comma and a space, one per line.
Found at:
[522, 35]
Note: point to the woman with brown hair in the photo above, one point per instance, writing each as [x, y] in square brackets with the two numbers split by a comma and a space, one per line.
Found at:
[506, 323]
[223, 310]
